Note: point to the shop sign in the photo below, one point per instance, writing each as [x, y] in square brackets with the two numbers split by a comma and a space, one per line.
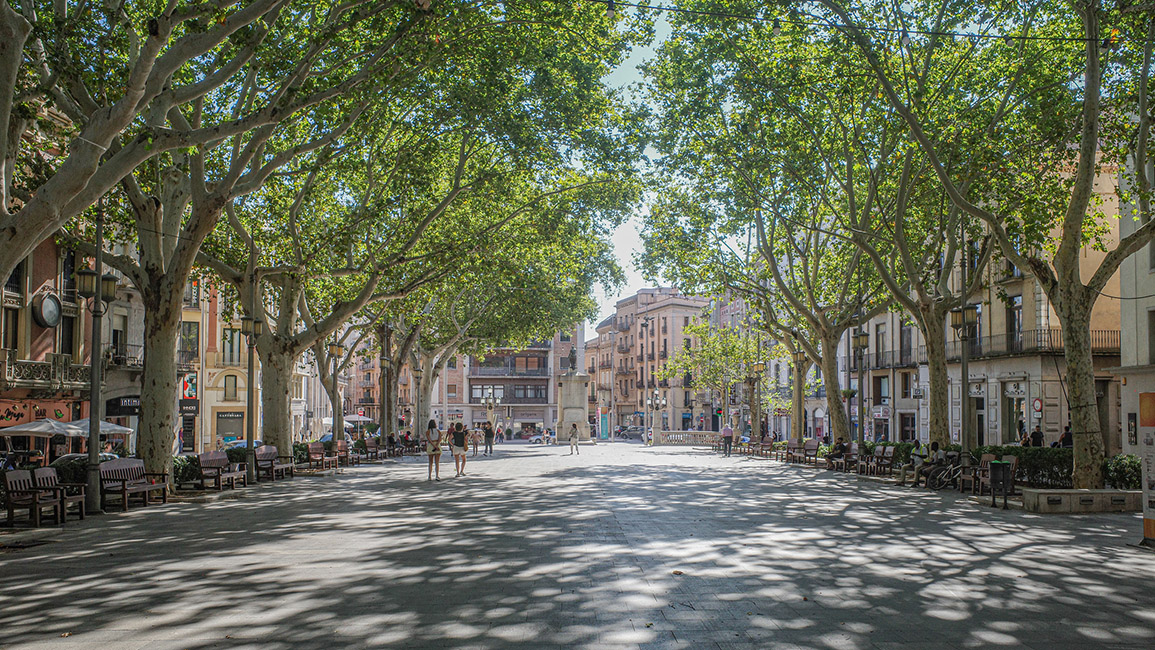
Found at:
[230, 415]
[190, 407]
[882, 412]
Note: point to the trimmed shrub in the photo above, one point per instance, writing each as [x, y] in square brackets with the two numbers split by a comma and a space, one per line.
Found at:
[300, 452]
[185, 469]
[1041, 467]
[359, 445]
[73, 471]
[1124, 472]
[238, 454]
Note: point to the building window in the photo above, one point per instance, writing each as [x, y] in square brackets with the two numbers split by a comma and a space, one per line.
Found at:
[1015, 322]
[452, 363]
[565, 337]
[192, 294]
[905, 384]
[1150, 333]
[66, 336]
[11, 328]
[68, 277]
[15, 282]
[189, 343]
[231, 388]
[519, 391]
[231, 346]
[880, 340]
[451, 390]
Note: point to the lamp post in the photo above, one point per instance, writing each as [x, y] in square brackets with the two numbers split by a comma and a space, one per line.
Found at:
[251, 328]
[801, 364]
[490, 402]
[97, 286]
[861, 342]
[655, 403]
[962, 319]
[418, 412]
[756, 411]
[336, 350]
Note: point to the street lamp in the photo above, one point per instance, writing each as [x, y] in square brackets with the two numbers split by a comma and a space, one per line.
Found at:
[756, 413]
[861, 341]
[962, 319]
[801, 363]
[100, 293]
[490, 402]
[415, 399]
[336, 351]
[251, 328]
[655, 403]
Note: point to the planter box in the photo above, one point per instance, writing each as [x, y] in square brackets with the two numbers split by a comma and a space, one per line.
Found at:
[1081, 501]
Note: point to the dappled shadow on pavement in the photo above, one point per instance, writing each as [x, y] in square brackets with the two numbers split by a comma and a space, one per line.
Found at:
[619, 547]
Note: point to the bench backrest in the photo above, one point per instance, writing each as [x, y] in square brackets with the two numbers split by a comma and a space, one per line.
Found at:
[1014, 461]
[793, 445]
[316, 450]
[853, 451]
[985, 460]
[122, 469]
[888, 452]
[18, 479]
[371, 444]
[213, 460]
[267, 452]
[811, 446]
[45, 477]
[342, 446]
[879, 451]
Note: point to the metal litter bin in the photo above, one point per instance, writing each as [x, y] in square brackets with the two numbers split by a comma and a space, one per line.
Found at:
[1001, 480]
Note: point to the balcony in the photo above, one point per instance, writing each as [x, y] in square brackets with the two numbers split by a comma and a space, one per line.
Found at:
[662, 354]
[127, 356]
[641, 357]
[366, 400]
[623, 348]
[623, 324]
[663, 383]
[651, 383]
[510, 400]
[1045, 341]
[508, 370]
[605, 365]
[56, 373]
[186, 358]
[622, 370]
[649, 356]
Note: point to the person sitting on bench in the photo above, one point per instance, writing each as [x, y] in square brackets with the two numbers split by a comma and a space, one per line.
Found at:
[917, 458]
[837, 451]
[937, 457]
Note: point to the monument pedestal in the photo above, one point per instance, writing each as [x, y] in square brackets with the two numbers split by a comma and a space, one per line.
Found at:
[572, 406]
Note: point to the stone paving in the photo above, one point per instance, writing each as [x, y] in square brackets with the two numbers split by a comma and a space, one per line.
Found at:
[619, 547]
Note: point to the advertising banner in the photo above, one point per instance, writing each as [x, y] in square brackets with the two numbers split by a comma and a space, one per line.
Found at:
[1147, 458]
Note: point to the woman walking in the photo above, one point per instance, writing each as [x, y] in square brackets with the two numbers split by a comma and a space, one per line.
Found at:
[433, 449]
[487, 428]
[458, 448]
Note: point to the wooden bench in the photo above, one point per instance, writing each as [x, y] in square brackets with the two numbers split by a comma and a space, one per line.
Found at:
[972, 474]
[372, 449]
[849, 458]
[810, 452]
[318, 459]
[46, 478]
[215, 466]
[20, 493]
[985, 481]
[866, 463]
[346, 455]
[884, 465]
[270, 464]
[125, 477]
[784, 453]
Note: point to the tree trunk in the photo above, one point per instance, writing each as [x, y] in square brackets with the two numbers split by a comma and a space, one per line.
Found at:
[834, 406]
[276, 370]
[1075, 316]
[934, 333]
[158, 391]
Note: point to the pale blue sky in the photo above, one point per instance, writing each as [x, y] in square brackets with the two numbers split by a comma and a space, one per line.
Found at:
[627, 238]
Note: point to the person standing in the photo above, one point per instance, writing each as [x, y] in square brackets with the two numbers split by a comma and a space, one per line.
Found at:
[727, 439]
[1037, 437]
[458, 448]
[432, 441]
[573, 440]
[487, 428]
[475, 436]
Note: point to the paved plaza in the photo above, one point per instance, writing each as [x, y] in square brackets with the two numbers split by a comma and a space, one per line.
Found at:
[619, 547]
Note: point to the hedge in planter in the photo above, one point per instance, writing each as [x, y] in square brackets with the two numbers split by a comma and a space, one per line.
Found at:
[1041, 467]
[1124, 472]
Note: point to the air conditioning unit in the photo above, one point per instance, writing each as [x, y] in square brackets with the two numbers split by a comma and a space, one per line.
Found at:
[917, 393]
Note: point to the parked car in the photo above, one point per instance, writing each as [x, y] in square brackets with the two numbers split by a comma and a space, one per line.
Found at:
[630, 433]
